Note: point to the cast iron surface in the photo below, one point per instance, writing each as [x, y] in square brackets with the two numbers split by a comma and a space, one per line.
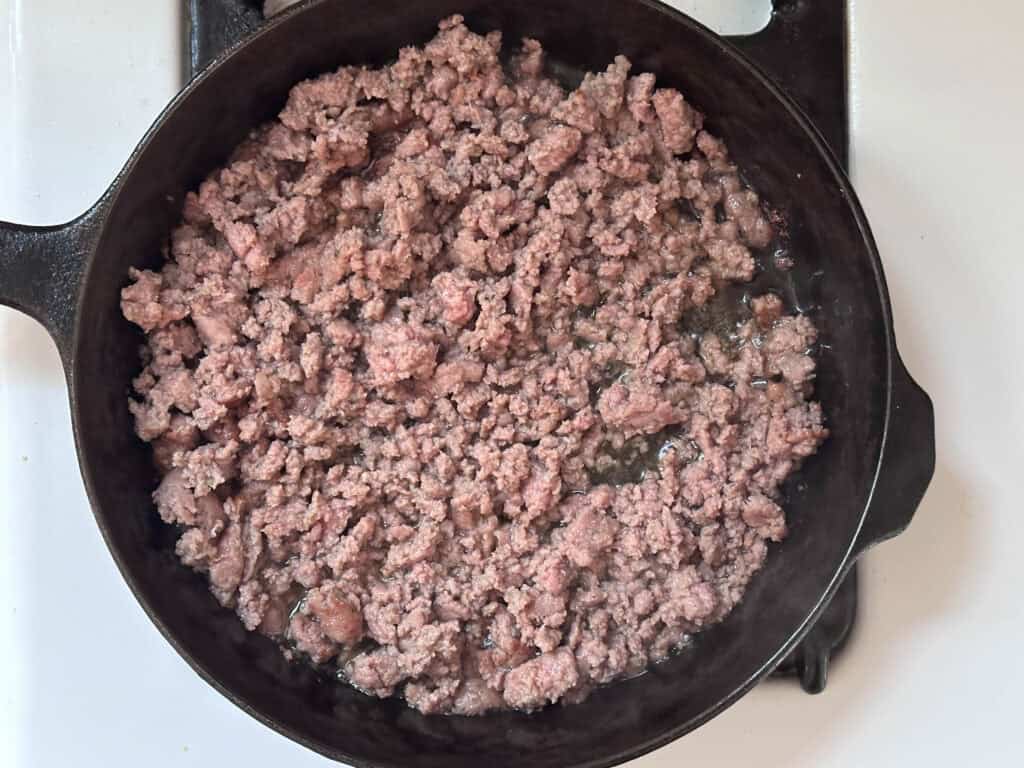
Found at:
[803, 48]
[41, 272]
[861, 488]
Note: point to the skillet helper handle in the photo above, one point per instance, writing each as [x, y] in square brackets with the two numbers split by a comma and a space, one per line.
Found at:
[907, 465]
[41, 271]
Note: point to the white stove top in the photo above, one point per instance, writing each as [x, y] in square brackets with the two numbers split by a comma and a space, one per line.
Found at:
[935, 666]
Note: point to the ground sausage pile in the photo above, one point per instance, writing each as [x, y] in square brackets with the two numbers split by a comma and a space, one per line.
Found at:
[421, 386]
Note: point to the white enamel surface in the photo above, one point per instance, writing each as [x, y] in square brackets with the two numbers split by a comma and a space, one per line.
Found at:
[936, 662]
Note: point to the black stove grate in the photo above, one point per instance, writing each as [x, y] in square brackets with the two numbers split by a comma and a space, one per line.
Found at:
[803, 48]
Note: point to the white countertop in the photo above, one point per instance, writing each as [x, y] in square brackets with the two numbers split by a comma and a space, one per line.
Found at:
[936, 661]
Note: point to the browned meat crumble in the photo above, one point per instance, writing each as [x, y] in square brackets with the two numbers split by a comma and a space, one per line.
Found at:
[421, 386]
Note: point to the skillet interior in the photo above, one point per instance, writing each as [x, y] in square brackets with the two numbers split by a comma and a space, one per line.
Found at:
[835, 280]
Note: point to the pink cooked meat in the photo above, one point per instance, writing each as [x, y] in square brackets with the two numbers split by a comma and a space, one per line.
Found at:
[423, 392]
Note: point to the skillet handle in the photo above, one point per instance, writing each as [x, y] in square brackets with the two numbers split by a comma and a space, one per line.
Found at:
[907, 465]
[41, 273]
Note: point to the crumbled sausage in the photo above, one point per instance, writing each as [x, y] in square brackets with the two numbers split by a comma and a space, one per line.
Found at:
[423, 392]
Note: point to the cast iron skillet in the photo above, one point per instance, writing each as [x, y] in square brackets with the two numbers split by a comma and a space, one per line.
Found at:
[861, 488]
